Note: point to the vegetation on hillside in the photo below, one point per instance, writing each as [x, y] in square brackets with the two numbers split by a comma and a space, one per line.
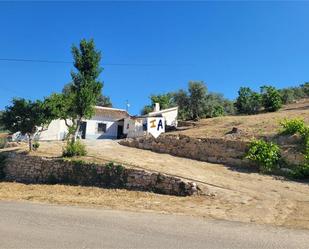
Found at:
[269, 99]
[195, 103]
[267, 154]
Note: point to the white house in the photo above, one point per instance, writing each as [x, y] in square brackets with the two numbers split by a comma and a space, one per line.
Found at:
[136, 126]
[110, 123]
[106, 123]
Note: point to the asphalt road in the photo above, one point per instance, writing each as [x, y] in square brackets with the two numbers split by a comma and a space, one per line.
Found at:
[28, 225]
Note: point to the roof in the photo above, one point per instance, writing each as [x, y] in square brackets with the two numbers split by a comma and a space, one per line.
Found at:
[109, 112]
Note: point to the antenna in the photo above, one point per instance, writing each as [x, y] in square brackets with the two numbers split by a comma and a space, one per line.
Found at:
[127, 105]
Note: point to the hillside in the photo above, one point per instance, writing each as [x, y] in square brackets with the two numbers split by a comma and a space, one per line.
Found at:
[249, 126]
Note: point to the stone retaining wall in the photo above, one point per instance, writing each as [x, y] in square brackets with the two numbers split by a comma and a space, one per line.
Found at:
[214, 150]
[32, 169]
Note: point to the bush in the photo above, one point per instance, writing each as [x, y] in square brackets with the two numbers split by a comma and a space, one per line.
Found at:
[3, 142]
[287, 95]
[298, 126]
[292, 126]
[2, 165]
[301, 172]
[35, 145]
[305, 89]
[271, 98]
[74, 149]
[265, 154]
[248, 101]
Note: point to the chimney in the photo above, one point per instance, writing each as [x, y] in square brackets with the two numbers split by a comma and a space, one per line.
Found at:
[156, 107]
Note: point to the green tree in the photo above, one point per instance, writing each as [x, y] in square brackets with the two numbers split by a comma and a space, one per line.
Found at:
[165, 101]
[79, 97]
[305, 88]
[216, 105]
[197, 91]
[1, 125]
[26, 117]
[147, 109]
[104, 101]
[287, 95]
[271, 98]
[182, 100]
[248, 101]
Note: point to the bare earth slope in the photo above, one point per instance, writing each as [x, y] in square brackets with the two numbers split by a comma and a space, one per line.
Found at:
[239, 196]
[266, 124]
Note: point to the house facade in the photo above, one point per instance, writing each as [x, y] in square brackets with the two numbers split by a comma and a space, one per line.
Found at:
[136, 126]
[110, 123]
[107, 123]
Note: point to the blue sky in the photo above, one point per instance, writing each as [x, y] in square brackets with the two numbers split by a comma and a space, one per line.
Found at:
[225, 44]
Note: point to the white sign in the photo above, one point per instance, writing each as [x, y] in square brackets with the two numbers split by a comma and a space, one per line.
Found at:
[155, 126]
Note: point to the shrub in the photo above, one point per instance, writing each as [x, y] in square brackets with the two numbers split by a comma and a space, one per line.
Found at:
[298, 126]
[301, 172]
[3, 142]
[305, 89]
[248, 101]
[36, 145]
[74, 149]
[292, 126]
[287, 95]
[265, 154]
[2, 165]
[271, 98]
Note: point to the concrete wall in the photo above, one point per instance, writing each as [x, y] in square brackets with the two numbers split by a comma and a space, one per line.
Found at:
[170, 115]
[31, 169]
[133, 127]
[57, 130]
[92, 128]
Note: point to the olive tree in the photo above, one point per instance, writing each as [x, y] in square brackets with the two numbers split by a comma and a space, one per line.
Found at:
[27, 117]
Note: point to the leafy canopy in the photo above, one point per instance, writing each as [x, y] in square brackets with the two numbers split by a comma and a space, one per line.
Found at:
[248, 101]
[25, 116]
[77, 100]
[85, 88]
[271, 98]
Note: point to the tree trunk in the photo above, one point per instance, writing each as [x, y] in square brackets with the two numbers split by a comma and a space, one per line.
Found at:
[77, 130]
[30, 142]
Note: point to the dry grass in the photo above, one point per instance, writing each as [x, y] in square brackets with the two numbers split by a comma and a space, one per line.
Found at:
[199, 206]
[107, 198]
[266, 124]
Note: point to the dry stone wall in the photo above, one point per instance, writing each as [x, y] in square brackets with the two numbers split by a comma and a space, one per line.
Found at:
[229, 152]
[33, 169]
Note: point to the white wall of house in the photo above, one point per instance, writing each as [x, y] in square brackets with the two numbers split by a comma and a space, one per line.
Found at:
[133, 127]
[170, 115]
[57, 130]
[92, 128]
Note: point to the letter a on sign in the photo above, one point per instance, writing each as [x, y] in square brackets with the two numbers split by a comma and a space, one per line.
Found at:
[155, 126]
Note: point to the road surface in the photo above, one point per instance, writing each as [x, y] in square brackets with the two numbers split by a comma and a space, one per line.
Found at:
[29, 225]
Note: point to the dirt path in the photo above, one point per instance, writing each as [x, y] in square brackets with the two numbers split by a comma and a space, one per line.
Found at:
[240, 196]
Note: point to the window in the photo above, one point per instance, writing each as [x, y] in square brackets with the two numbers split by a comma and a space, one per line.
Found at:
[101, 128]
